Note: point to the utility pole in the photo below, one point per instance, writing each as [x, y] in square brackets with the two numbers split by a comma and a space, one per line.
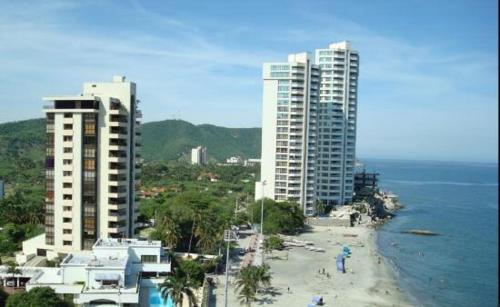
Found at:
[262, 221]
[229, 236]
[236, 209]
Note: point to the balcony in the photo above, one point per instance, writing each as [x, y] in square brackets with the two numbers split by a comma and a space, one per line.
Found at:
[117, 227]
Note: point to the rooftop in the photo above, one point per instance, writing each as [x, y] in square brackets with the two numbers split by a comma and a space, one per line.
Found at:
[90, 260]
[109, 242]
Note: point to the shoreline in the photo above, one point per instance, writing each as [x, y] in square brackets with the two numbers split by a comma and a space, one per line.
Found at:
[369, 279]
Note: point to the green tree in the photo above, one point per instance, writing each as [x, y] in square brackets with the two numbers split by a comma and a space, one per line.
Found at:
[168, 231]
[273, 242]
[319, 207]
[193, 271]
[12, 268]
[178, 287]
[3, 297]
[279, 217]
[249, 280]
[36, 297]
[246, 285]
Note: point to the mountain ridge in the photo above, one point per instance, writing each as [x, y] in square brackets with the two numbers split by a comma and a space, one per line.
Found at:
[22, 144]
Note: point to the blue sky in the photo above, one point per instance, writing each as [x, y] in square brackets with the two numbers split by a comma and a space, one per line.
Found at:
[428, 74]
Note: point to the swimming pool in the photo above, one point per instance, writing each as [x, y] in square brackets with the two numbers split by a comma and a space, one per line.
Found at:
[155, 299]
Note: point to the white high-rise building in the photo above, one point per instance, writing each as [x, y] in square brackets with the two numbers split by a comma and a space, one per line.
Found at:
[309, 127]
[199, 155]
[92, 165]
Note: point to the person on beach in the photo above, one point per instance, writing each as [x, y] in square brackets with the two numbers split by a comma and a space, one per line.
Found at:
[288, 289]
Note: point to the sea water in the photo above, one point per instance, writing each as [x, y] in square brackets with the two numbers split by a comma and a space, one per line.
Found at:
[460, 202]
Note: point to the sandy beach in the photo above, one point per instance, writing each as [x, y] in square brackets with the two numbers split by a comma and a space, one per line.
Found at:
[367, 281]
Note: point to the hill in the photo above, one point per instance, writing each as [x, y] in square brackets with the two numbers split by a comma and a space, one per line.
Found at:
[170, 139]
[22, 151]
[22, 144]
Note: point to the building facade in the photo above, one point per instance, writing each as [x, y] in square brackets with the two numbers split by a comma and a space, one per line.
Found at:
[92, 165]
[199, 156]
[116, 272]
[309, 127]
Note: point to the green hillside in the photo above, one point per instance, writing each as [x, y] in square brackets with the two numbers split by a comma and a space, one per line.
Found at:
[22, 151]
[170, 139]
[22, 145]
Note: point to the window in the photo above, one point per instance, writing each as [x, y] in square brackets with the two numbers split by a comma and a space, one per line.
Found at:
[89, 164]
[68, 150]
[283, 95]
[67, 197]
[67, 173]
[88, 176]
[89, 128]
[280, 67]
[149, 258]
[89, 152]
[67, 232]
[89, 223]
[67, 208]
[67, 162]
[283, 88]
[66, 243]
[283, 102]
[68, 115]
[68, 126]
[279, 74]
[67, 220]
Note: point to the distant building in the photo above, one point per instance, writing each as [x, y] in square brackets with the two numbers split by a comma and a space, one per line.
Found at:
[251, 162]
[364, 181]
[199, 156]
[2, 189]
[117, 272]
[236, 160]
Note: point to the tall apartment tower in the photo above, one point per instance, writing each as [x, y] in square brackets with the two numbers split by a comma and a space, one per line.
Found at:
[309, 127]
[199, 155]
[92, 165]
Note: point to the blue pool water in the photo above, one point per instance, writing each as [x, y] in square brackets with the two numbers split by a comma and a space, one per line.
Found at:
[155, 299]
[457, 200]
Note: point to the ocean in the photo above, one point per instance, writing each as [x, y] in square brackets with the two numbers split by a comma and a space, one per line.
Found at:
[460, 202]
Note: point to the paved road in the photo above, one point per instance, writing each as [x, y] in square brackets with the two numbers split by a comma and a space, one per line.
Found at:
[217, 298]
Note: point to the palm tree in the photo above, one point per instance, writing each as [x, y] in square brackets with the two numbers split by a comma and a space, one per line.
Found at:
[246, 285]
[249, 280]
[263, 275]
[178, 286]
[12, 268]
[169, 231]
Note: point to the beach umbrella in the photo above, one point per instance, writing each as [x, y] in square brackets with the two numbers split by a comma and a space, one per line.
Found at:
[340, 262]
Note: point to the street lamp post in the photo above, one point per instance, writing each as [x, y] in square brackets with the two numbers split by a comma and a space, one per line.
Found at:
[229, 236]
[262, 220]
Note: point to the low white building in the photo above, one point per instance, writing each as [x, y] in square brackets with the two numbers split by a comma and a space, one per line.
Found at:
[236, 160]
[251, 162]
[117, 272]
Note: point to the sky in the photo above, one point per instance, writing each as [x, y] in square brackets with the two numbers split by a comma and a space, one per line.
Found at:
[428, 83]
